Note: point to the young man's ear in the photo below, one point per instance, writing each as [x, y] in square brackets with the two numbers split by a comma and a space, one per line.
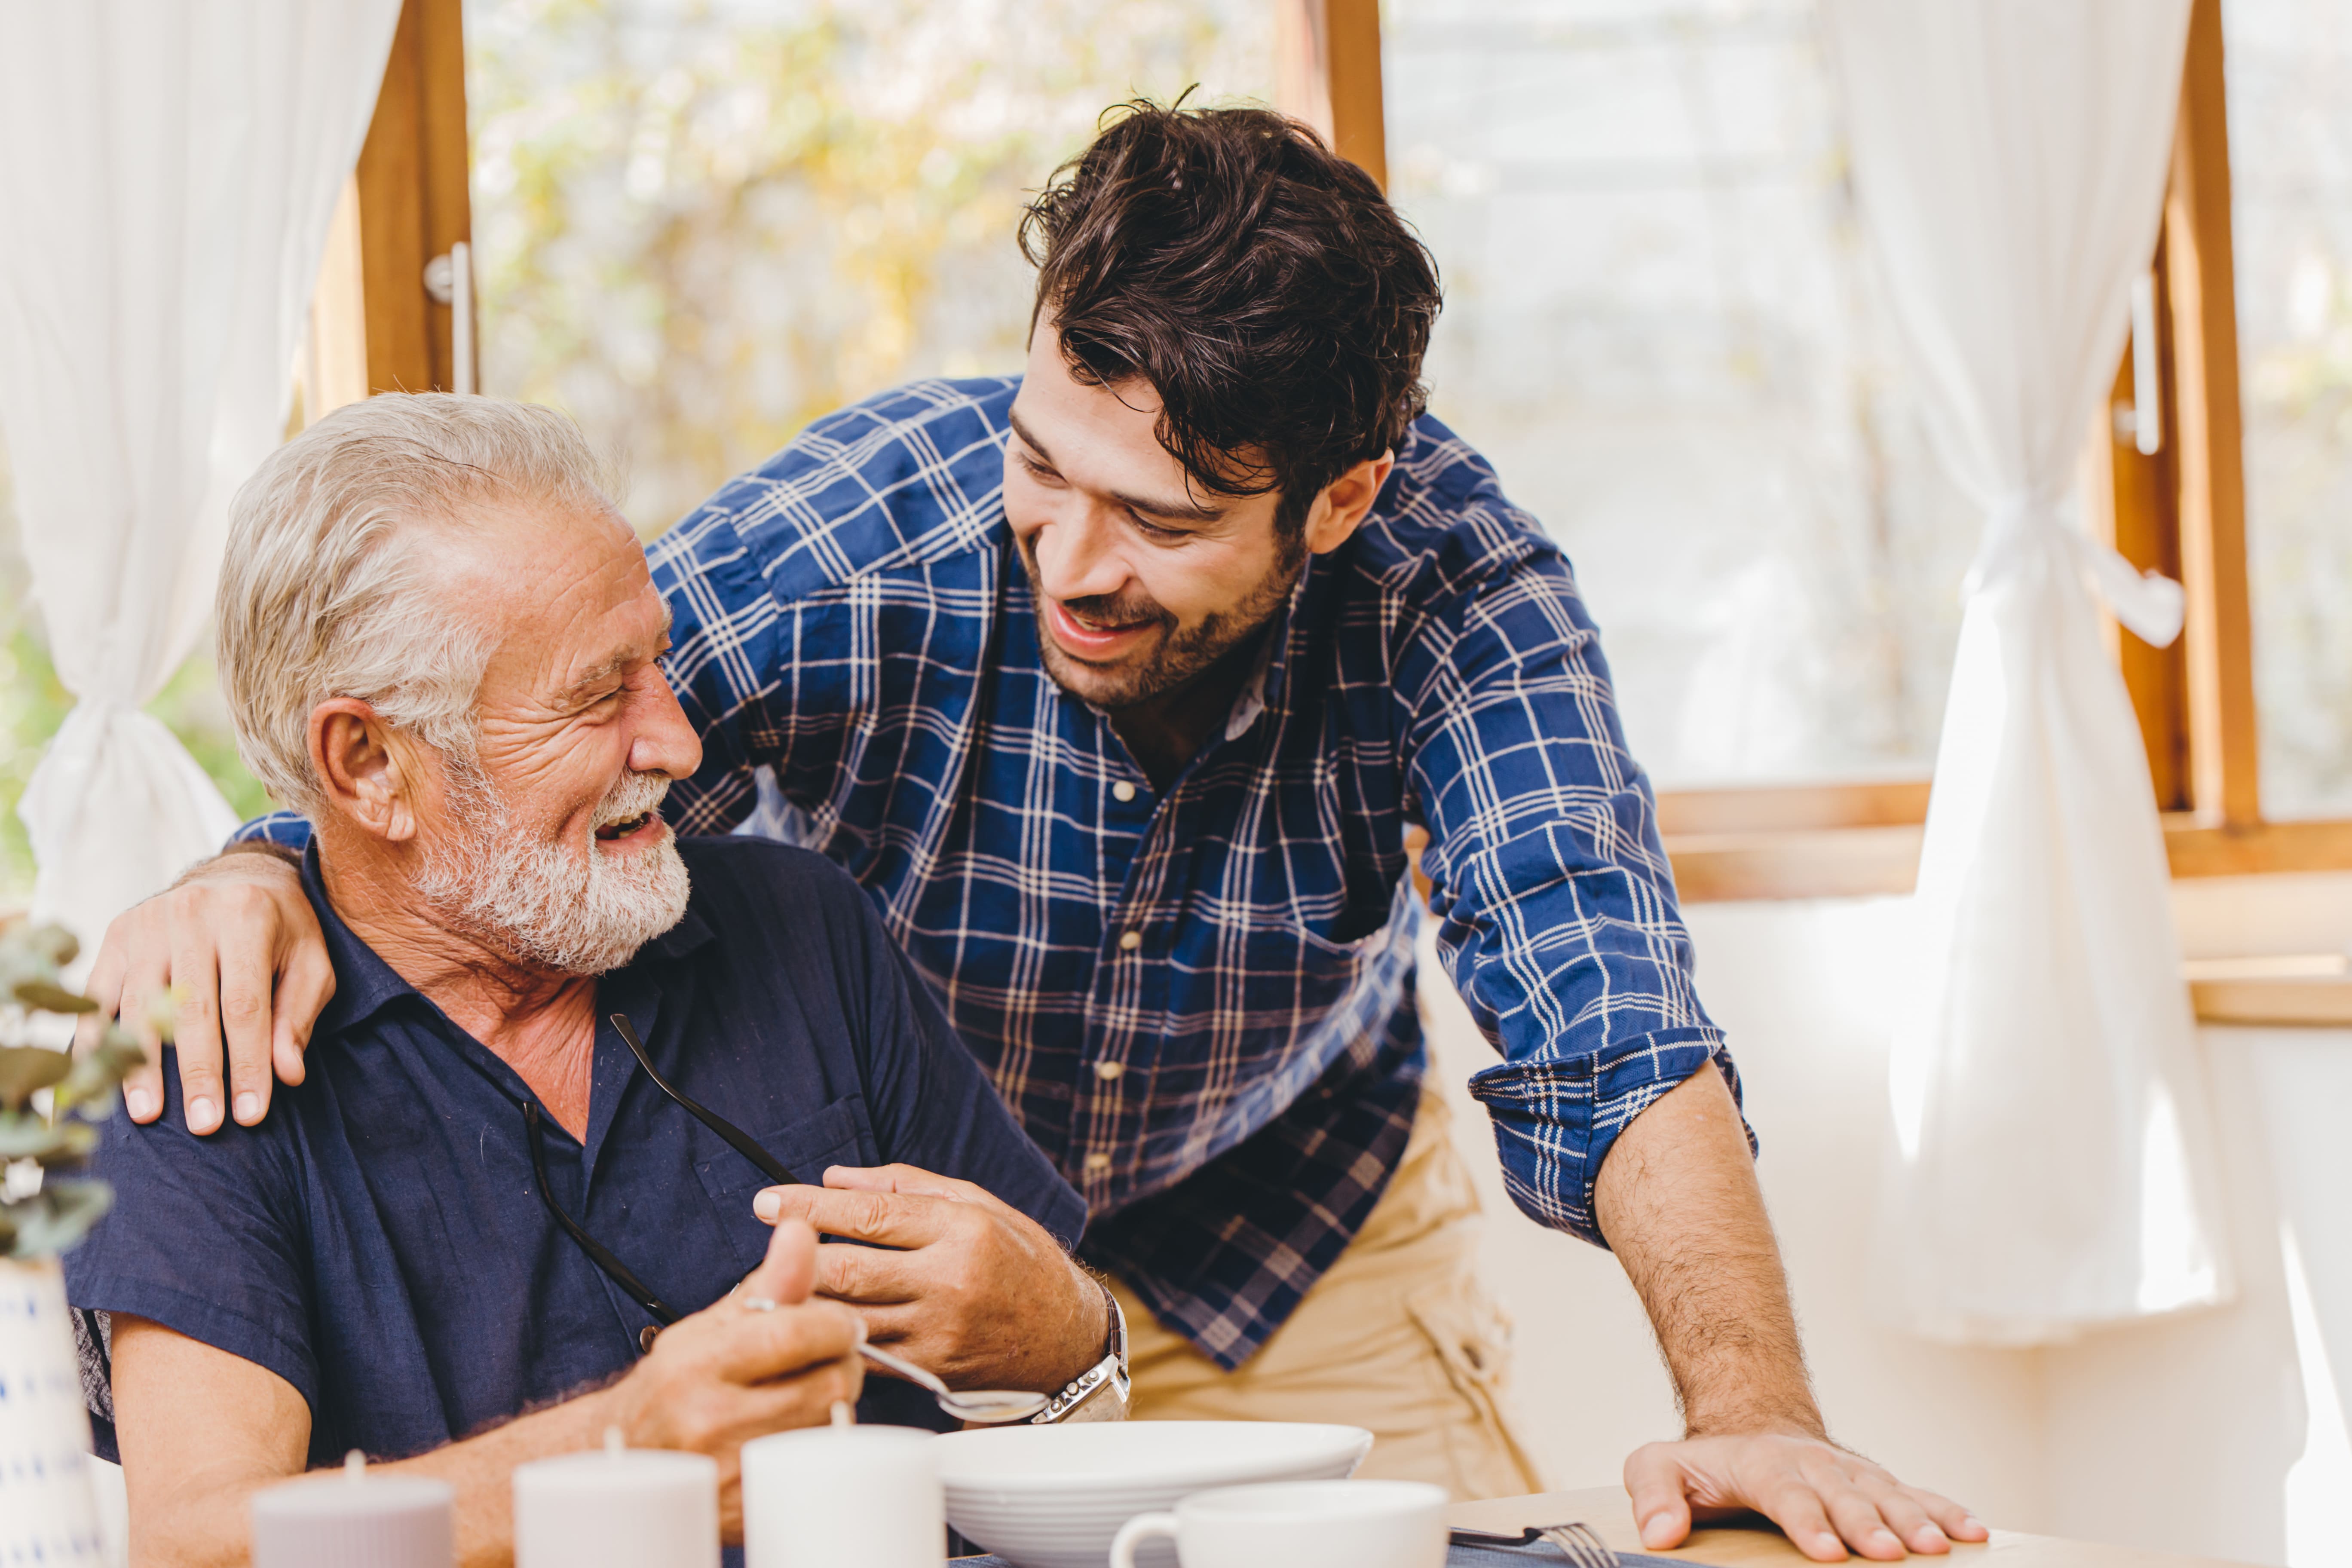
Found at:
[1340, 510]
[360, 770]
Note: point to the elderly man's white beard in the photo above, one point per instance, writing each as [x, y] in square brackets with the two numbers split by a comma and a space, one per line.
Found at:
[545, 903]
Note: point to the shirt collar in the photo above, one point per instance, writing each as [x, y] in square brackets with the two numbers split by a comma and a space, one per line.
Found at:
[366, 984]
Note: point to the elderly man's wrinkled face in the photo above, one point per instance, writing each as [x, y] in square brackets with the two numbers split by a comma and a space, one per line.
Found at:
[549, 841]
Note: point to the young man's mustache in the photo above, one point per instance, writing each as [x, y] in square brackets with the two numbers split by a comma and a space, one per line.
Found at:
[1116, 611]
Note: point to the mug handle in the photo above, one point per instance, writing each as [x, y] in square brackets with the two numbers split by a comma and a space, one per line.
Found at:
[1135, 1533]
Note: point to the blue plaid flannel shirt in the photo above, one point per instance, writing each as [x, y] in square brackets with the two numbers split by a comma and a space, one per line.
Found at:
[1200, 1004]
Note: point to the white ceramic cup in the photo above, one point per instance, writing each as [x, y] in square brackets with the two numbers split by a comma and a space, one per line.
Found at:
[1300, 1524]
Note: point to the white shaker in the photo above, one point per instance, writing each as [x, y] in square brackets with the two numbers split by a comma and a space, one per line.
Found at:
[355, 1520]
[844, 1497]
[617, 1508]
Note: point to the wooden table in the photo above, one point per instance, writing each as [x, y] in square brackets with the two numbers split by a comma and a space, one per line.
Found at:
[1608, 1511]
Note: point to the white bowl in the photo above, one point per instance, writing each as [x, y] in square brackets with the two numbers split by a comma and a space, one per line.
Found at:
[1053, 1497]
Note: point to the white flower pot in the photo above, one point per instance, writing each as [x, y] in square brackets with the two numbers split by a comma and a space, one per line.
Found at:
[47, 1517]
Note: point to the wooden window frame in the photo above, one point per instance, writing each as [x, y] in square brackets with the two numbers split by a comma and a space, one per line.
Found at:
[374, 325]
[2180, 511]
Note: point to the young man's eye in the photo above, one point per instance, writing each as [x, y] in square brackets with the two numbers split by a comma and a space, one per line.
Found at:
[1154, 532]
[1038, 471]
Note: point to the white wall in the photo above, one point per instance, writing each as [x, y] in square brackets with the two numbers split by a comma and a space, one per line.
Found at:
[2180, 1434]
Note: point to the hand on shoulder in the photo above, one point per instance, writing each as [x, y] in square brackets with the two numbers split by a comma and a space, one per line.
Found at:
[234, 954]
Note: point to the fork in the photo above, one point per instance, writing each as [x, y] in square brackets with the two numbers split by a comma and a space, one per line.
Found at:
[1578, 1542]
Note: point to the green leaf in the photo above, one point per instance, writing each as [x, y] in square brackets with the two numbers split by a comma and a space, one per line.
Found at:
[23, 1136]
[89, 1090]
[116, 1055]
[56, 1217]
[50, 997]
[27, 1068]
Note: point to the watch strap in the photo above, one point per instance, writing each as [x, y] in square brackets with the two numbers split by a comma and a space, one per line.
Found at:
[1100, 1393]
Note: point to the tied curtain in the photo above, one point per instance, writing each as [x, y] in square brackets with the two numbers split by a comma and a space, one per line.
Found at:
[167, 174]
[2052, 1160]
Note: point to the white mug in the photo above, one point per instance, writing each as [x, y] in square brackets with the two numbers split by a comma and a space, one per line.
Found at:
[1300, 1524]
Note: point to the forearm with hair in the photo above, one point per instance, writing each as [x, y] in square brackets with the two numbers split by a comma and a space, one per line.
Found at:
[1678, 1201]
[201, 1431]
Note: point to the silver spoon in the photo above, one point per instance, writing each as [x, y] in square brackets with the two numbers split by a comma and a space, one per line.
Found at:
[980, 1406]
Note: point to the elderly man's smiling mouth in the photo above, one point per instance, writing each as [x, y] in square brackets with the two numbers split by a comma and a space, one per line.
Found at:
[645, 824]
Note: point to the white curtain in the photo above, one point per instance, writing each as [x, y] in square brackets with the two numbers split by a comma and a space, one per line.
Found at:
[2052, 1159]
[167, 173]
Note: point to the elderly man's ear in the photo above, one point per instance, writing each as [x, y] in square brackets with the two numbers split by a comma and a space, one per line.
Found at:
[365, 774]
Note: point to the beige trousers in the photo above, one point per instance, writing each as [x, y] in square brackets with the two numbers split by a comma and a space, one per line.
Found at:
[1399, 1338]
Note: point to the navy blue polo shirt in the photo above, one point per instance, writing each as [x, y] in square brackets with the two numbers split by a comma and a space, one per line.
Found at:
[379, 1242]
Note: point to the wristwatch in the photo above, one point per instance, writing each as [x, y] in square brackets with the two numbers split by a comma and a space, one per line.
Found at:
[1101, 1392]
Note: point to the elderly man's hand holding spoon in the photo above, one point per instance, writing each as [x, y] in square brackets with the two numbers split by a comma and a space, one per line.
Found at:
[957, 1282]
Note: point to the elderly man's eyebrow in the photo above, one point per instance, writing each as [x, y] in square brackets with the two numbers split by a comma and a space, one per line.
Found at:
[1197, 512]
[616, 663]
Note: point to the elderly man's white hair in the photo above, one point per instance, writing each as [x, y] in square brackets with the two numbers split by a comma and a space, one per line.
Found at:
[331, 587]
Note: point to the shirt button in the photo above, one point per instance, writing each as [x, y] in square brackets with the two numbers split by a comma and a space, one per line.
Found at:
[1098, 1161]
[1122, 790]
[1129, 941]
[1109, 1070]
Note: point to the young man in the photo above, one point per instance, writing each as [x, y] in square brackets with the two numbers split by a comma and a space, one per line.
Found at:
[1118, 686]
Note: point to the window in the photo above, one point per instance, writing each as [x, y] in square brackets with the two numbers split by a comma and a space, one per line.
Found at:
[1659, 327]
[702, 226]
[2290, 90]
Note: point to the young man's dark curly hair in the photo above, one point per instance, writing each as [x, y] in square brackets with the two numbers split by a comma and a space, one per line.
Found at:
[1259, 282]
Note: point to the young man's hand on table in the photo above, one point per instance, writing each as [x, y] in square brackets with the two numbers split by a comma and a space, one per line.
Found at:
[1678, 1201]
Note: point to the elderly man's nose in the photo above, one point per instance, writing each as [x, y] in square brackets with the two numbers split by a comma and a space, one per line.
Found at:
[665, 742]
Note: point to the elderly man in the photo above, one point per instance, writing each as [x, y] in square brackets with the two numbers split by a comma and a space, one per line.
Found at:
[521, 1148]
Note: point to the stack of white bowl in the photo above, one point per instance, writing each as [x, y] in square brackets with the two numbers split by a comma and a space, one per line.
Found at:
[1053, 1497]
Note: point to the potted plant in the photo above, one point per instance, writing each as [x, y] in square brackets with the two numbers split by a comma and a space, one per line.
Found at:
[48, 1100]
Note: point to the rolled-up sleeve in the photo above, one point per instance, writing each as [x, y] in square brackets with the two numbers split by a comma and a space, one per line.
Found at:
[1554, 896]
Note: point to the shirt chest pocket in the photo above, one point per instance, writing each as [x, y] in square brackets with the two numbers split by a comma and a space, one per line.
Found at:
[840, 1134]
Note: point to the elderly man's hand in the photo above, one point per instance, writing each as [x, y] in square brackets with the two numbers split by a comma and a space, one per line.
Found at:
[976, 1291]
[238, 953]
[741, 1368]
[1826, 1499]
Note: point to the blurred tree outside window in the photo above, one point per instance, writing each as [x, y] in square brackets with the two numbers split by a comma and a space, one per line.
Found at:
[2289, 64]
[702, 223]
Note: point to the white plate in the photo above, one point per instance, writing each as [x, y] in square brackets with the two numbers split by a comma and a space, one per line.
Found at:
[1053, 1497]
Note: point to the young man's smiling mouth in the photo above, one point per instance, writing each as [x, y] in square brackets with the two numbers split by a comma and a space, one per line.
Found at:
[1090, 640]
